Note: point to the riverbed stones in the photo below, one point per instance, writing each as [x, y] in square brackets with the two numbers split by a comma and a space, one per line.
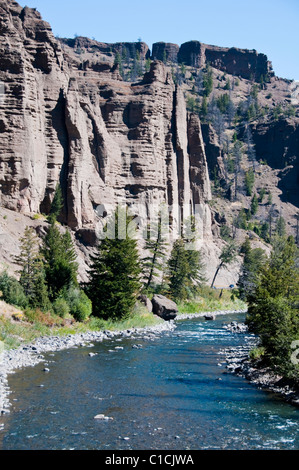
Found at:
[164, 307]
[236, 327]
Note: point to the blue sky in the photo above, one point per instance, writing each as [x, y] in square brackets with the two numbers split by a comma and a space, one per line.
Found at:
[269, 26]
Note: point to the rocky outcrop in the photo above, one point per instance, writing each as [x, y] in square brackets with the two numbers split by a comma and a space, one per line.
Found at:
[128, 50]
[165, 51]
[164, 307]
[240, 62]
[75, 122]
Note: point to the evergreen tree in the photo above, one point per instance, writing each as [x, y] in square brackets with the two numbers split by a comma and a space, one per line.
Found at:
[155, 245]
[237, 154]
[227, 256]
[273, 312]
[254, 204]
[57, 205]
[254, 259]
[281, 226]
[30, 261]
[178, 271]
[262, 195]
[249, 182]
[185, 270]
[269, 202]
[208, 82]
[231, 112]
[32, 277]
[59, 261]
[114, 277]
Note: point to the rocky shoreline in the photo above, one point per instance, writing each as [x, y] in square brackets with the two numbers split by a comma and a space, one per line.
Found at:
[238, 362]
[32, 354]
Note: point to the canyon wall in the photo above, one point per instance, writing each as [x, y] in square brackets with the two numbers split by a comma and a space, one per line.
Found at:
[104, 140]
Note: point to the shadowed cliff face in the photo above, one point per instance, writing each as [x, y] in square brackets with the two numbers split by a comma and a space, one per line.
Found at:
[103, 139]
[277, 143]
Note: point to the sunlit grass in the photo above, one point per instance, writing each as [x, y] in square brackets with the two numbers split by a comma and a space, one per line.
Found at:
[37, 324]
[209, 300]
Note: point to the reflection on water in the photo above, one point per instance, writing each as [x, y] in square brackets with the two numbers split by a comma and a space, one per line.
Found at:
[174, 393]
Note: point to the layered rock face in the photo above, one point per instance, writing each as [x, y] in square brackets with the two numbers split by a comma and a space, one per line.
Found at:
[240, 62]
[104, 140]
[31, 111]
[165, 51]
[126, 49]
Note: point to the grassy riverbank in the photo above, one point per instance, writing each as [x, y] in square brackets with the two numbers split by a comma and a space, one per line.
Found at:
[20, 327]
[211, 300]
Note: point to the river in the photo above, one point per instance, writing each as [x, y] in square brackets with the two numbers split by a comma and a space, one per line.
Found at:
[168, 393]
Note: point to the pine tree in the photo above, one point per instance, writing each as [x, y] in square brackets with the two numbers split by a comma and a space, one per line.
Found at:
[154, 263]
[249, 181]
[281, 226]
[185, 270]
[59, 261]
[237, 153]
[227, 256]
[57, 205]
[32, 277]
[30, 261]
[114, 277]
[273, 312]
[254, 204]
[254, 259]
[178, 271]
[208, 82]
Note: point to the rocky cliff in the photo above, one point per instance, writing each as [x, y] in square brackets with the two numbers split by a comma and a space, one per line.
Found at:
[67, 116]
[240, 62]
[103, 139]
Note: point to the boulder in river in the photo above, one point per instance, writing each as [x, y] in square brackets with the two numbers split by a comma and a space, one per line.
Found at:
[210, 316]
[164, 307]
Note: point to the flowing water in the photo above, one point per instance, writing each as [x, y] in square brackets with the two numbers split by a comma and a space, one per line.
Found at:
[174, 393]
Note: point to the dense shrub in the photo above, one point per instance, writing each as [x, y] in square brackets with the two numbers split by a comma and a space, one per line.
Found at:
[80, 306]
[12, 291]
[61, 307]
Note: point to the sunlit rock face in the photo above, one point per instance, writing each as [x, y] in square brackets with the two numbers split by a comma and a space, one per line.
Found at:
[79, 124]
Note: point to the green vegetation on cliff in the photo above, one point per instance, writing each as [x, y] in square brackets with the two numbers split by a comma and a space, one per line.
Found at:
[273, 311]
